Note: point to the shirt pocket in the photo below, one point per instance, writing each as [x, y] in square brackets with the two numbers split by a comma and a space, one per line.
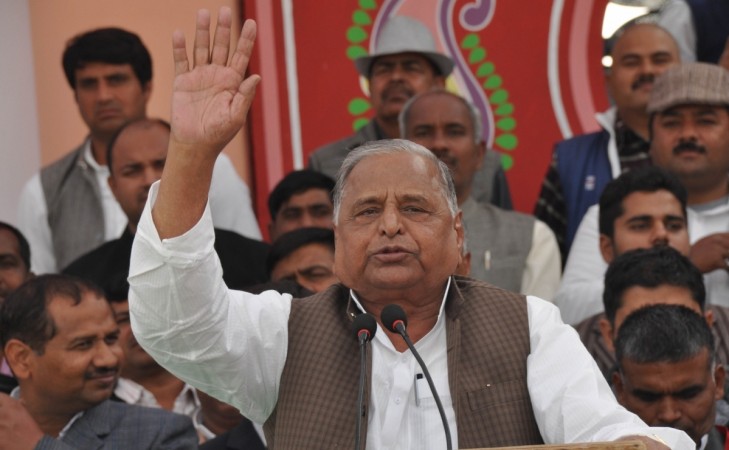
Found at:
[498, 394]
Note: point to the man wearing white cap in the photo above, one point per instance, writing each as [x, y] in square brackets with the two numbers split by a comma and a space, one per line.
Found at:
[405, 63]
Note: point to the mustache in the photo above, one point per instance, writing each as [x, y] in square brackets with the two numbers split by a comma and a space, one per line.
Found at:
[642, 79]
[101, 372]
[396, 87]
[688, 145]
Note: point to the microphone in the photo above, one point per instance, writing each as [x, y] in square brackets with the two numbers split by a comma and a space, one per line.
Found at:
[394, 319]
[364, 327]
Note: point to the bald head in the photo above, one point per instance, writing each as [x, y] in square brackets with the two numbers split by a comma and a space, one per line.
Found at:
[136, 157]
[450, 127]
[640, 53]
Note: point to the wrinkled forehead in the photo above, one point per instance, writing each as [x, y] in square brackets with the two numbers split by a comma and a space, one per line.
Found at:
[391, 172]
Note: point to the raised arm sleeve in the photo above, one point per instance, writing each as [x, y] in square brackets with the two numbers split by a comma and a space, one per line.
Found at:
[230, 344]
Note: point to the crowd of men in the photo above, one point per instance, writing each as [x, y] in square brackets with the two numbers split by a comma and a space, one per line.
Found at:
[140, 307]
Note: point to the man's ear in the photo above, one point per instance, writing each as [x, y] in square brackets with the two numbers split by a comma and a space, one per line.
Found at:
[460, 233]
[481, 153]
[147, 90]
[719, 379]
[19, 357]
[709, 317]
[618, 387]
[606, 248]
[606, 331]
[439, 81]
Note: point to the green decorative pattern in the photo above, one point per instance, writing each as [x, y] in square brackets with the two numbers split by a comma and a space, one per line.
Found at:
[357, 35]
[497, 95]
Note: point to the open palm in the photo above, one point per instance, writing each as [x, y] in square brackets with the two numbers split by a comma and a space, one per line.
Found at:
[211, 101]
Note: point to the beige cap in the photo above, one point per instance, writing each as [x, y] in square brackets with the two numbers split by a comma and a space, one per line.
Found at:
[403, 34]
[690, 84]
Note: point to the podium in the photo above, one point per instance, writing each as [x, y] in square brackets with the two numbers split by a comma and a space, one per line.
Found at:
[621, 445]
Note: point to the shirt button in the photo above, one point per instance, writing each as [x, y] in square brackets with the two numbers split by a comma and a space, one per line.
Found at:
[397, 400]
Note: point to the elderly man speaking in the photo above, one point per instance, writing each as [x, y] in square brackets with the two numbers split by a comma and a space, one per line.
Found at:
[508, 371]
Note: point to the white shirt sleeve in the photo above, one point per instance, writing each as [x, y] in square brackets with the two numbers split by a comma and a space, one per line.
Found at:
[675, 16]
[230, 201]
[580, 293]
[572, 402]
[33, 223]
[543, 264]
[230, 344]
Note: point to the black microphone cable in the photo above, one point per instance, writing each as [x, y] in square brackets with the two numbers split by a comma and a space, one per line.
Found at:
[394, 319]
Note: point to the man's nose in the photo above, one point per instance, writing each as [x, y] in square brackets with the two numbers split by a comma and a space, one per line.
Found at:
[688, 131]
[151, 175]
[668, 412]
[660, 234]
[390, 221]
[104, 91]
[107, 355]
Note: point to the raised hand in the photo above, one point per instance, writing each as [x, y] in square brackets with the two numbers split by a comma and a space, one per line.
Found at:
[209, 106]
[211, 101]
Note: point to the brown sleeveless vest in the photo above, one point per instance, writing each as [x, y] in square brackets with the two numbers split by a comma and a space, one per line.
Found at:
[488, 344]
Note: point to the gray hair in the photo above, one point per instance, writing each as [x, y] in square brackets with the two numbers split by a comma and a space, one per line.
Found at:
[663, 333]
[473, 113]
[389, 147]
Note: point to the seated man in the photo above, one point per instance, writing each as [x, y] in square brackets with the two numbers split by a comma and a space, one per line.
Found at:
[509, 249]
[303, 198]
[136, 156]
[509, 372]
[668, 374]
[142, 381]
[306, 256]
[14, 271]
[636, 278]
[61, 340]
[639, 209]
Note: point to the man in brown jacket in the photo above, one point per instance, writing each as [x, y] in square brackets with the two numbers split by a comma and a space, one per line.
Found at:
[508, 371]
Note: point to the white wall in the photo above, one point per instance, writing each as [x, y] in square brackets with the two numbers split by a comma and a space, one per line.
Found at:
[19, 143]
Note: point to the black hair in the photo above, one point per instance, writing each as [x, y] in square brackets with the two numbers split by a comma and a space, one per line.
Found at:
[107, 45]
[23, 245]
[647, 179]
[117, 133]
[663, 333]
[24, 314]
[650, 268]
[297, 182]
[289, 242]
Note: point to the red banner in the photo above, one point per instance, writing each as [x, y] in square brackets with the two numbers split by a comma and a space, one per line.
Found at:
[532, 68]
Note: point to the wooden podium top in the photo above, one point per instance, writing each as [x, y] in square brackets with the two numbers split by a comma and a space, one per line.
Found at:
[621, 445]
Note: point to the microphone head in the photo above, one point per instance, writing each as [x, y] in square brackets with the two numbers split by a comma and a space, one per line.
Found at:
[392, 315]
[365, 323]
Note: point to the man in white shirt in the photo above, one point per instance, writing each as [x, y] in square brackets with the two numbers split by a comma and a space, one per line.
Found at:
[67, 209]
[690, 139]
[399, 235]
